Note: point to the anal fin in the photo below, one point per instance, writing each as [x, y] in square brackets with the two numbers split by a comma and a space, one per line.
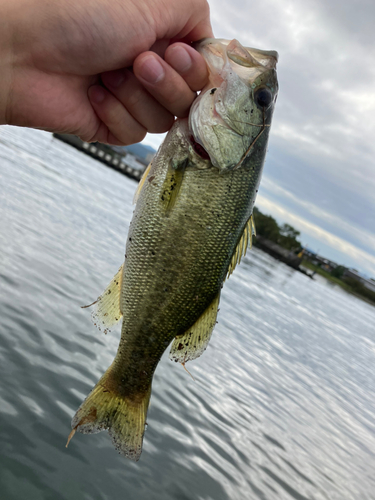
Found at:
[243, 244]
[194, 342]
[107, 306]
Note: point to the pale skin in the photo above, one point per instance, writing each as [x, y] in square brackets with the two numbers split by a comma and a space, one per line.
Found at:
[105, 70]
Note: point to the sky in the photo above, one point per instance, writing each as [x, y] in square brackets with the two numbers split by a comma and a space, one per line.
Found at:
[319, 174]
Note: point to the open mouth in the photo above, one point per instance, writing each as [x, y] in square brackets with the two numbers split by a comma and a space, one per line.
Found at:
[199, 149]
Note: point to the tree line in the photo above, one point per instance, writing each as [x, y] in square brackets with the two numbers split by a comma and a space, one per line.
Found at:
[285, 235]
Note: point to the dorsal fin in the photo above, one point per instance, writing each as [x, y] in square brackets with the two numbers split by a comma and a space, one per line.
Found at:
[243, 244]
[194, 342]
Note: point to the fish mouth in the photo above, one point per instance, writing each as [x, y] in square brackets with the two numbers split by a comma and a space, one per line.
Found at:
[239, 77]
[199, 149]
[249, 62]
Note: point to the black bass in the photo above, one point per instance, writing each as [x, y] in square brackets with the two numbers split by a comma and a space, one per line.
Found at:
[191, 225]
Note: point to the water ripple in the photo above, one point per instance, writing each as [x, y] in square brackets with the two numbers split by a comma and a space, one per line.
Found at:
[283, 402]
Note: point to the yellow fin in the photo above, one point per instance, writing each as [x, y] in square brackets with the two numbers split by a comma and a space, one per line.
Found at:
[172, 184]
[194, 342]
[141, 183]
[253, 230]
[107, 306]
[106, 407]
[245, 241]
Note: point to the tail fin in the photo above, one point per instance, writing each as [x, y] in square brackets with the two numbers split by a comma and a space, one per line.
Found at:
[124, 417]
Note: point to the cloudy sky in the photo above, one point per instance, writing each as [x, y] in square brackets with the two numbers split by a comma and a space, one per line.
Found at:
[320, 169]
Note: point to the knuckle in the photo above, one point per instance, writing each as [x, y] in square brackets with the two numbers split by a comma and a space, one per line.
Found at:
[161, 126]
[131, 137]
[94, 135]
[135, 99]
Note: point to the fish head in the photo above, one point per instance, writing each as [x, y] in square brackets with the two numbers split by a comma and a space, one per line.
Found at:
[236, 106]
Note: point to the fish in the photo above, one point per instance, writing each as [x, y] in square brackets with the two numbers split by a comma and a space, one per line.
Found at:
[191, 226]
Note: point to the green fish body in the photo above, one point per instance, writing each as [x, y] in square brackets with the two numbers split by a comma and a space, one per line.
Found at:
[191, 225]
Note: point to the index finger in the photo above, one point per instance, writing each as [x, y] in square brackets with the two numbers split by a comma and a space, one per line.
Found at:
[188, 63]
[202, 30]
[163, 83]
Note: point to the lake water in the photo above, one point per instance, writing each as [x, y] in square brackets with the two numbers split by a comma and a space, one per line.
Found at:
[284, 399]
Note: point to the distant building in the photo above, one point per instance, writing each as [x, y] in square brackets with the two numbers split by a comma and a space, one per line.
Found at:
[113, 156]
[134, 162]
[368, 283]
[317, 260]
[308, 253]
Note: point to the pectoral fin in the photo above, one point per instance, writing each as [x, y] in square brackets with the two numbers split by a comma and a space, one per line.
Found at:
[172, 184]
[191, 344]
[243, 244]
[107, 306]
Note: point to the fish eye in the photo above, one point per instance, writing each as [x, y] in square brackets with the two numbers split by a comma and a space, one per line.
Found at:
[263, 97]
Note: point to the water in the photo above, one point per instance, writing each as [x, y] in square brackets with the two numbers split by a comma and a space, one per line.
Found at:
[283, 403]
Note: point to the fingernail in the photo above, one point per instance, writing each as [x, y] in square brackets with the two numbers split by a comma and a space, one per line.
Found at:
[96, 94]
[179, 59]
[151, 70]
[113, 79]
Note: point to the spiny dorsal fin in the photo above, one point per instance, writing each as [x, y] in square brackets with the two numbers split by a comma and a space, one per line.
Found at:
[107, 306]
[141, 183]
[245, 241]
[191, 344]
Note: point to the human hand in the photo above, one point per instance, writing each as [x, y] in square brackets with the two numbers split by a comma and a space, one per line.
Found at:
[67, 66]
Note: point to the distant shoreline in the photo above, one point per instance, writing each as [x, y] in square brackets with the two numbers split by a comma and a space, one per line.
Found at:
[336, 281]
[104, 154]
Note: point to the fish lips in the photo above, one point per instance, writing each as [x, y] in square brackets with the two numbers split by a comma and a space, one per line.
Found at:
[241, 80]
[224, 120]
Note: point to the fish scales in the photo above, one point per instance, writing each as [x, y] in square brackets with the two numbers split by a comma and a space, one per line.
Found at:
[181, 270]
[191, 224]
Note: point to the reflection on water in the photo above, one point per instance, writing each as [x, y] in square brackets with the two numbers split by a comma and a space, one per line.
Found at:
[283, 403]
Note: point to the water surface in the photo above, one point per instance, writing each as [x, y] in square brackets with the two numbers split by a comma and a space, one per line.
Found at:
[283, 403]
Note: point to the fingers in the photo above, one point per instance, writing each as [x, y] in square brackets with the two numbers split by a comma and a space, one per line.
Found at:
[173, 81]
[117, 124]
[126, 109]
[188, 63]
[163, 83]
[138, 102]
[131, 104]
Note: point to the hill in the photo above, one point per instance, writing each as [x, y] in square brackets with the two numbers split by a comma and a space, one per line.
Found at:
[140, 150]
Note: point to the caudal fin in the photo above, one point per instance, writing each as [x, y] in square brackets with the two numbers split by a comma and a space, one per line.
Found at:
[124, 417]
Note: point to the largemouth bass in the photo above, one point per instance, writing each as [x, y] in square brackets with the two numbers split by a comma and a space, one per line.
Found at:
[191, 225]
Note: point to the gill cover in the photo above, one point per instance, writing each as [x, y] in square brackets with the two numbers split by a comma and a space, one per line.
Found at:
[237, 104]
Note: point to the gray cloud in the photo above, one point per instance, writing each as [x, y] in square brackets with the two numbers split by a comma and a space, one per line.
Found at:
[322, 147]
